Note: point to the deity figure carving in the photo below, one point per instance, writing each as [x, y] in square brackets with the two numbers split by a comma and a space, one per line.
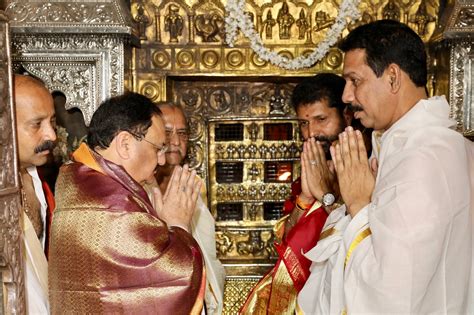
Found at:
[252, 193]
[422, 18]
[273, 151]
[231, 149]
[293, 150]
[223, 244]
[262, 190]
[252, 149]
[253, 172]
[391, 11]
[241, 151]
[253, 131]
[220, 149]
[271, 191]
[303, 25]
[231, 192]
[254, 245]
[242, 192]
[174, 23]
[322, 20]
[190, 99]
[283, 149]
[142, 20]
[252, 212]
[285, 21]
[263, 151]
[268, 24]
[220, 192]
[277, 103]
[208, 26]
[220, 101]
[365, 19]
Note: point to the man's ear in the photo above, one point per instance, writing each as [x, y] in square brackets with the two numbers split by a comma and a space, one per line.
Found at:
[348, 115]
[123, 144]
[393, 74]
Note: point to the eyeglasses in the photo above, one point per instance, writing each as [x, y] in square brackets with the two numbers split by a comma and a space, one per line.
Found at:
[181, 133]
[160, 149]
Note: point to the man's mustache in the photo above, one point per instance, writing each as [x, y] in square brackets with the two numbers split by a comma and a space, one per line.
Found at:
[175, 150]
[328, 139]
[355, 108]
[48, 145]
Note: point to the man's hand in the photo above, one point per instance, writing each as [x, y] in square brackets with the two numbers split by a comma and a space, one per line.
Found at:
[177, 206]
[355, 176]
[316, 177]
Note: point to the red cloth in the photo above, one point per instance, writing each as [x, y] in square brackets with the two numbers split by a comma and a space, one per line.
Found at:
[290, 203]
[301, 238]
[48, 195]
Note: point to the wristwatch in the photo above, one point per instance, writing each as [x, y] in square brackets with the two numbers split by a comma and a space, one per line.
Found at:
[328, 199]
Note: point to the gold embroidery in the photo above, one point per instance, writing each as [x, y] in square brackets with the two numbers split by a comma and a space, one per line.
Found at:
[327, 233]
[359, 238]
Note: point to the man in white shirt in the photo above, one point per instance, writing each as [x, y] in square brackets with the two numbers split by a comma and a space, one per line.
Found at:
[203, 224]
[405, 245]
[35, 120]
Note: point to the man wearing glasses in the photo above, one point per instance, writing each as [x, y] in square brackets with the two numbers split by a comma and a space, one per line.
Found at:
[111, 250]
[202, 224]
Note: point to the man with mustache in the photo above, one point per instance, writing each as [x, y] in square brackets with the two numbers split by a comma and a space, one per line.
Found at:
[203, 224]
[322, 116]
[35, 119]
[402, 244]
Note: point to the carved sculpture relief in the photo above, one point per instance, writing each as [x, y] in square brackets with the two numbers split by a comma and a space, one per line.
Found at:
[466, 17]
[87, 68]
[174, 23]
[268, 25]
[285, 21]
[209, 27]
[42, 12]
[142, 20]
[391, 11]
[303, 25]
[87, 74]
[462, 76]
[11, 261]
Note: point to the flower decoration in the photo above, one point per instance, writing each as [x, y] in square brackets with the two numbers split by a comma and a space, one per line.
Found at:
[237, 19]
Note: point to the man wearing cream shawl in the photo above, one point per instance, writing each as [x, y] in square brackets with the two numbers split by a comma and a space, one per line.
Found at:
[403, 242]
[111, 251]
[202, 224]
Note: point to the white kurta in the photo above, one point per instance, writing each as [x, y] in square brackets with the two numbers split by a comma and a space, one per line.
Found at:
[203, 231]
[36, 273]
[418, 257]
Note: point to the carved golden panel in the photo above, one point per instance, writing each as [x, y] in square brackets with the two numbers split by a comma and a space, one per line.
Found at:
[153, 88]
[211, 59]
[161, 59]
[236, 291]
[184, 58]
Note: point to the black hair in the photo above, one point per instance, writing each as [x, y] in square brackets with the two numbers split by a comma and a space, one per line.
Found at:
[386, 42]
[323, 86]
[130, 112]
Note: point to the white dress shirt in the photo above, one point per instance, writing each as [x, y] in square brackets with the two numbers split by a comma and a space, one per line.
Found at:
[36, 273]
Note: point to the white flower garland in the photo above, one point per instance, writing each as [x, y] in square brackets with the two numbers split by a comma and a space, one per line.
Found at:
[237, 18]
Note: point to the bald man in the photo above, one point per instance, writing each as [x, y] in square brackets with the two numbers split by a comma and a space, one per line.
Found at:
[35, 117]
[202, 224]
